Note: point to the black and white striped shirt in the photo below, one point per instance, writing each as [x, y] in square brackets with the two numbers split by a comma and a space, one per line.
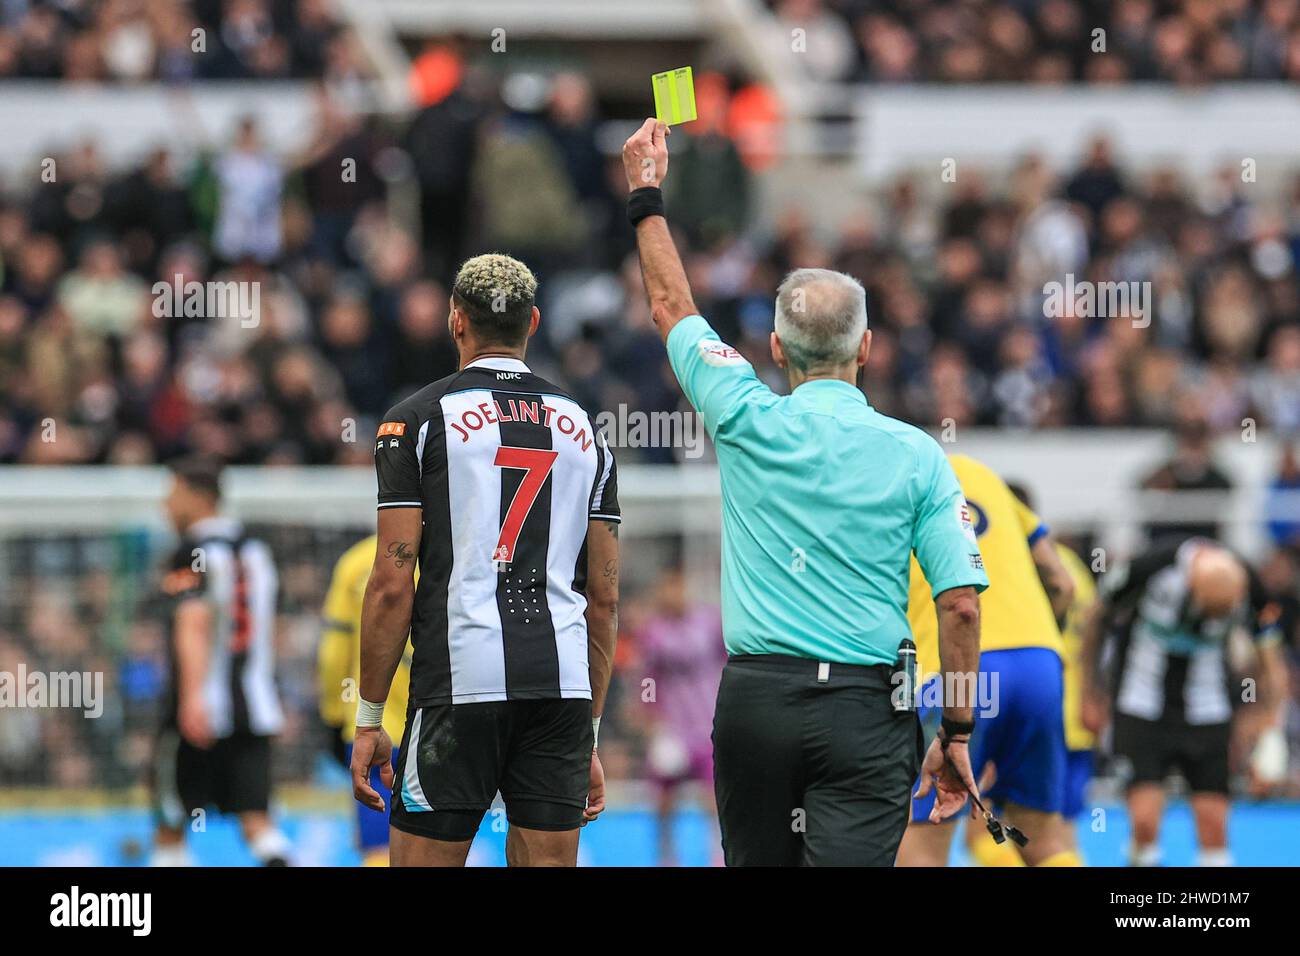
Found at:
[508, 470]
[1170, 662]
[218, 563]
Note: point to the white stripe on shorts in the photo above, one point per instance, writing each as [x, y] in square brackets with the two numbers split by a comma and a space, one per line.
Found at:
[413, 797]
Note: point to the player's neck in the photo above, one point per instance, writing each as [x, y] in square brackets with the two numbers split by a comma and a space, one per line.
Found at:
[196, 520]
[473, 354]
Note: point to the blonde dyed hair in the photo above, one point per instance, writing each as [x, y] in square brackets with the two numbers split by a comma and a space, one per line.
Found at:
[496, 293]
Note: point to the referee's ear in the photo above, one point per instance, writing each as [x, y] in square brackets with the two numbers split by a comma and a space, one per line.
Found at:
[864, 347]
[778, 353]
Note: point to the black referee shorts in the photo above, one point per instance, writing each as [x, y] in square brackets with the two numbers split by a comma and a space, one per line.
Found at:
[811, 772]
[454, 759]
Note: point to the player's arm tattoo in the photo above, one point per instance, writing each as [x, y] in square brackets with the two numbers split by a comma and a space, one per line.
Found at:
[610, 572]
[611, 527]
[400, 553]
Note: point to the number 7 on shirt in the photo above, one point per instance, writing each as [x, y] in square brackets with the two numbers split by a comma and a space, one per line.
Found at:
[536, 464]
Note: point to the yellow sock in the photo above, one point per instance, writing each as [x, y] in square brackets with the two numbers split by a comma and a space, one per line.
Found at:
[1064, 858]
[376, 857]
[987, 853]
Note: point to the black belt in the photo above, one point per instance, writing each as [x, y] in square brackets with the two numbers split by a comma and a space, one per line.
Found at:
[820, 671]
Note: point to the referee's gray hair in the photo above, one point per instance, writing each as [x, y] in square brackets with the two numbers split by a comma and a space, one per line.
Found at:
[820, 318]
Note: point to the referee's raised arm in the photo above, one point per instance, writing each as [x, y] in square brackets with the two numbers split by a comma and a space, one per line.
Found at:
[645, 161]
[824, 501]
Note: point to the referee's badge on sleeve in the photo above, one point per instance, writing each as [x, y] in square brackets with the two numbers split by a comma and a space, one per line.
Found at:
[965, 520]
[719, 353]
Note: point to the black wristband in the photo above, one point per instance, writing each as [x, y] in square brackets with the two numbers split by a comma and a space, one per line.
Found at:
[644, 202]
[955, 728]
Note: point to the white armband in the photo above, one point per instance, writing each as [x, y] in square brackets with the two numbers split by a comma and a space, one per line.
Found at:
[369, 714]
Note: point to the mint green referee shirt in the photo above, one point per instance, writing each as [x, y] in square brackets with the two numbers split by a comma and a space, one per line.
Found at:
[824, 500]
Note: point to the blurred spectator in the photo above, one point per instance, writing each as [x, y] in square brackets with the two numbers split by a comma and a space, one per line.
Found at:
[149, 209]
[679, 647]
[1283, 504]
[709, 191]
[1279, 572]
[528, 204]
[99, 296]
[818, 42]
[338, 176]
[1190, 468]
[424, 349]
[442, 142]
[1098, 181]
[1276, 386]
[250, 183]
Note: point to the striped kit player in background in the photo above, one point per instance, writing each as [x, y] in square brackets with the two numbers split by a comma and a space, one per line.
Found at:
[222, 711]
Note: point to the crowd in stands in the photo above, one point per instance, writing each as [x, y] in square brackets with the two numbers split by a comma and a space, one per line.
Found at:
[878, 41]
[126, 41]
[1187, 42]
[352, 274]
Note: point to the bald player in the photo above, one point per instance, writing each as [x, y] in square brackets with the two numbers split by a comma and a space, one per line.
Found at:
[1163, 635]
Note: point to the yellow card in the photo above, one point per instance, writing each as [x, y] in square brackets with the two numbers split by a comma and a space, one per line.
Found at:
[674, 96]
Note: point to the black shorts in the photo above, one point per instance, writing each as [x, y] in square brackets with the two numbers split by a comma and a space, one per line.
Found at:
[233, 775]
[1152, 749]
[536, 753]
[810, 772]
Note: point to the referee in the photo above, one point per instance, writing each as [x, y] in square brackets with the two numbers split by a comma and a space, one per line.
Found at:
[823, 502]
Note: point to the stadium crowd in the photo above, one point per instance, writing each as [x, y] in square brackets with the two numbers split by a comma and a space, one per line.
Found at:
[881, 41]
[1053, 41]
[353, 299]
[127, 41]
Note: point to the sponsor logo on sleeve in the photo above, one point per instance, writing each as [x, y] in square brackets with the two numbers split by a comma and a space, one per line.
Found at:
[965, 520]
[719, 353]
[392, 428]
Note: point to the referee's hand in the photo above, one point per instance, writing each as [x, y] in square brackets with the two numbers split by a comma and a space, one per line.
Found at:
[645, 155]
[370, 748]
[950, 776]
